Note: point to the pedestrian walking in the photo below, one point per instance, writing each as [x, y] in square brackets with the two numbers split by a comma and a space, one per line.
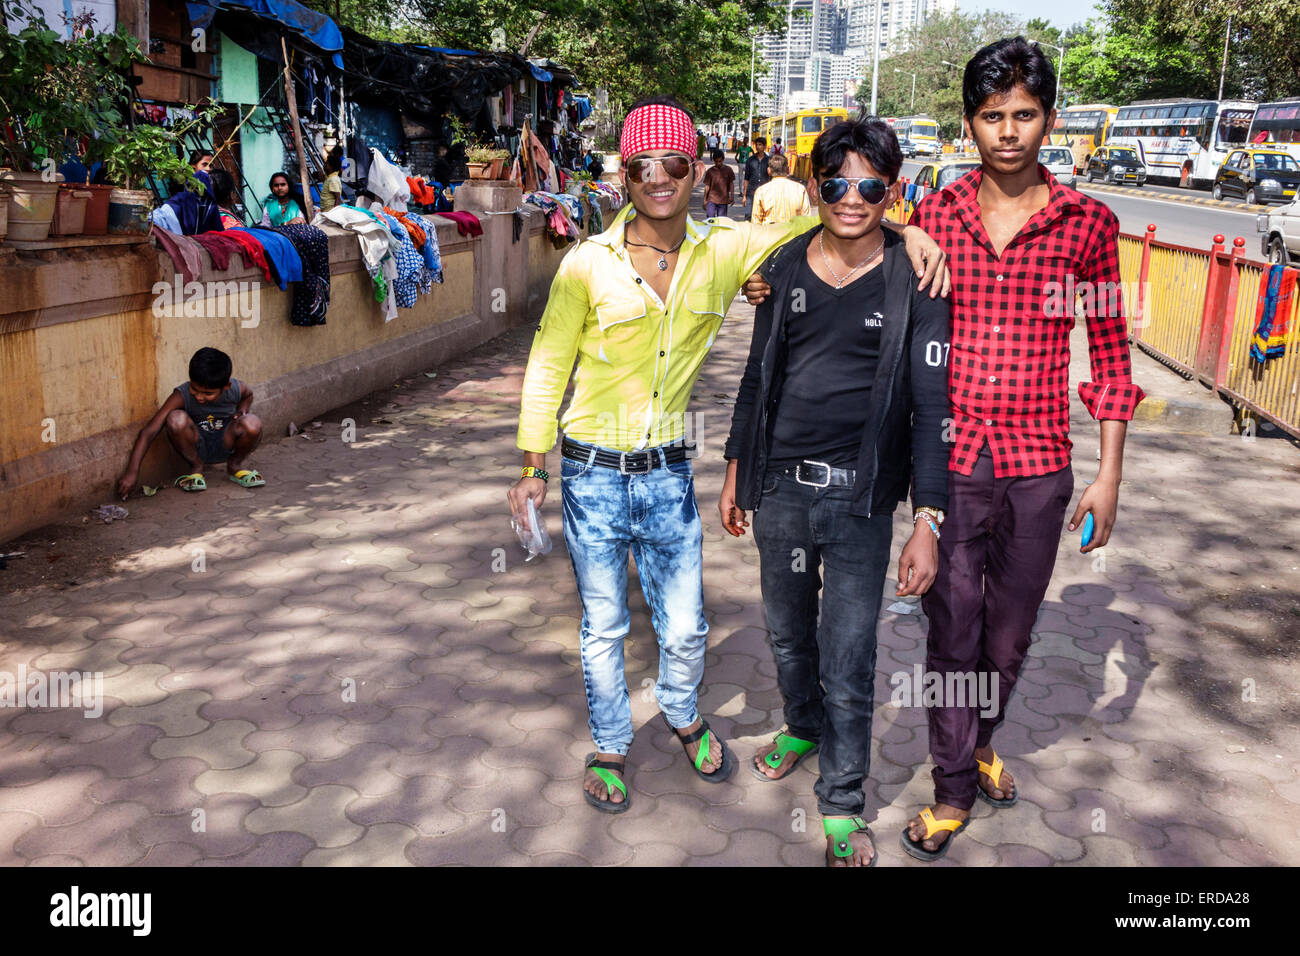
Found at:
[719, 186]
[781, 198]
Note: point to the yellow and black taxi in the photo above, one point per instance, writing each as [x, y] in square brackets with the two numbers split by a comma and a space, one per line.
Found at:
[1116, 164]
[1258, 176]
[939, 173]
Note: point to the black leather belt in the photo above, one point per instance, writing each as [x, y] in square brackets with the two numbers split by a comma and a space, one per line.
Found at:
[818, 474]
[626, 462]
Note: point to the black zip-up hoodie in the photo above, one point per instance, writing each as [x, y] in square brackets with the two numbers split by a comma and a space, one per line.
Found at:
[904, 439]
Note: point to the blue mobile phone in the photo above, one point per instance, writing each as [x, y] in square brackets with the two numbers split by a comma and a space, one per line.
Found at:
[1087, 531]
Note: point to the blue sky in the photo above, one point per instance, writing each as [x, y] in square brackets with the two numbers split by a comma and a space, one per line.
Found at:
[1065, 15]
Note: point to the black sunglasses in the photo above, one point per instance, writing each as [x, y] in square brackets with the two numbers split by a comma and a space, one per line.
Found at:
[871, 190]
[640, 170]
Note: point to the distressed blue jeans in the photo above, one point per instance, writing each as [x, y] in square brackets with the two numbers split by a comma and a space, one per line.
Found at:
[654, 517]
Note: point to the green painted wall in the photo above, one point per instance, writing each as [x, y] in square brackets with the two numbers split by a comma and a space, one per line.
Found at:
[262, 154]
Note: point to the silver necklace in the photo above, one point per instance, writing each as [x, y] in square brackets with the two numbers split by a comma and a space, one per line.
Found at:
[663, 253]
[839, 283]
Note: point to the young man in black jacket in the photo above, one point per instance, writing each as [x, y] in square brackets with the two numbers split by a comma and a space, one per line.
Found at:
[841, 409]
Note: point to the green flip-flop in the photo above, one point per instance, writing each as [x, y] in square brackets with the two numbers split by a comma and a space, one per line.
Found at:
[785, 743]
[704, 734]
[248, 478]
[192, 482]
[839, 830]
[605, 770]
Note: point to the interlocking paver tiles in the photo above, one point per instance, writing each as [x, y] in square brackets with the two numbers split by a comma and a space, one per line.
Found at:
[367, 671]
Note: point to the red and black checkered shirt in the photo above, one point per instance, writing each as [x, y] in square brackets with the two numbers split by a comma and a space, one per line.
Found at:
[1009, 367]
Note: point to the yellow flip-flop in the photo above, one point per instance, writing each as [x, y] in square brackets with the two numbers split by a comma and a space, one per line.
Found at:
[994, 770]
[914, 849]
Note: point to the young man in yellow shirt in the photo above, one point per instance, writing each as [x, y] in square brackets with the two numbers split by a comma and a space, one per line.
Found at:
[638, 308]
[781, 198]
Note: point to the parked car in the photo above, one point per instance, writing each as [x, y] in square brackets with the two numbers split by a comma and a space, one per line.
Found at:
[1258, 175]
[1280, 233]
[939, 173]
[1059, 162]
[1116, 164]
[907, 146]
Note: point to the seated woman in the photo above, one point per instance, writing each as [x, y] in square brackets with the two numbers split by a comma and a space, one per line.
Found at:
[281, 207]
[223, 194]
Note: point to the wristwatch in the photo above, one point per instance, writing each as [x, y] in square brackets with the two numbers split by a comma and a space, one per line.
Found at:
[936, 514]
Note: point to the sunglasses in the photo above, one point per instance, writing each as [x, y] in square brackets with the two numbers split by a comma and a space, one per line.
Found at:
[871, 190]
[640, 170]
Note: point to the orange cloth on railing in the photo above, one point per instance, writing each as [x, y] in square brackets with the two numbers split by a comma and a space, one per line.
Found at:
[418, 238]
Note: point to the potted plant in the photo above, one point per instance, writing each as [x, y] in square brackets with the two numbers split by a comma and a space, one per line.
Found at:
[133, 156]
[51, 89]
[485, 162]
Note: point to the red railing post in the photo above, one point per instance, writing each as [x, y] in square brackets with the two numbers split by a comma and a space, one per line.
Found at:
[1216, 288]
[1221, 352]
[1141, 318]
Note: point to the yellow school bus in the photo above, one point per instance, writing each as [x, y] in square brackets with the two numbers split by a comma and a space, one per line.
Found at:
[1082, 128]
[798, 131]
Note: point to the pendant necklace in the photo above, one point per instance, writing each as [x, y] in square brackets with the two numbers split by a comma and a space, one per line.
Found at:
[839, 283]
[663, 253]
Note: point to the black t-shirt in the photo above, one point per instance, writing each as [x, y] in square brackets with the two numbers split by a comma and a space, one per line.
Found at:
[833, 350]
[756, 171]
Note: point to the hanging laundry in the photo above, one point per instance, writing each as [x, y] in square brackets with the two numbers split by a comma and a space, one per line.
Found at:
[412, 276]
[220, 248]
[252, 251]
[311, 296]
[282, 255]
[377, 247]
[429, 251]
[1273, 310]
[467, 224]
[387, 182]
[186, 254]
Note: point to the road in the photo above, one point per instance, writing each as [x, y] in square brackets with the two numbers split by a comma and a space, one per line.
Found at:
[1177, 221]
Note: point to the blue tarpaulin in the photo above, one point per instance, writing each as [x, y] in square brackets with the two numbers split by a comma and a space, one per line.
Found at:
[315, 27]
[539, 74]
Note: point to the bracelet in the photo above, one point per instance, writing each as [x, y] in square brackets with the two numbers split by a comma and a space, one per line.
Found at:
[922, 516]
[531, 472]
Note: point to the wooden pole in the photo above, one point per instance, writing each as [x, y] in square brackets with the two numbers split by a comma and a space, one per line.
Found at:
[289, 95]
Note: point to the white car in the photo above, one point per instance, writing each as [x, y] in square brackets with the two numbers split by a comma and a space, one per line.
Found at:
[1059, 162]
[1280, 233]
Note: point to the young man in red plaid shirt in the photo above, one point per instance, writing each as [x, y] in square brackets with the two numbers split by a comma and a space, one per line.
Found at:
[1016, 239]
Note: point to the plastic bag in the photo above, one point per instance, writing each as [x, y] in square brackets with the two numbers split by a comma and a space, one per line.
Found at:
[531, 531]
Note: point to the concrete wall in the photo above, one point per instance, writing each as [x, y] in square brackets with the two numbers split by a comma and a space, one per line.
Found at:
[86, 357]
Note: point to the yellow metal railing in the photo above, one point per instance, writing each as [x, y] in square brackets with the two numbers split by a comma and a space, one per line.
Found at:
[1175, 298]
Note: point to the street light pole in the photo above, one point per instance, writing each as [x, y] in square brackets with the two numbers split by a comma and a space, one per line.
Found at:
[911, 107]
[785, 100]
[1059, 68]
[753, 46]
[1224, 68]
[875, 60]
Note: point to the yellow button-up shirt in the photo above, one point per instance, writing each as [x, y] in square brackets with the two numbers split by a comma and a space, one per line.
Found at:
[637, 356]
[780, 200]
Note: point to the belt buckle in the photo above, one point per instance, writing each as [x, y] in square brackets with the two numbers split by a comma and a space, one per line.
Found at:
[622, 463]
[812, 484]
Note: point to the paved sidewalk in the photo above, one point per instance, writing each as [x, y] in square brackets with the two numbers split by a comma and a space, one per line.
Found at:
[366, 672]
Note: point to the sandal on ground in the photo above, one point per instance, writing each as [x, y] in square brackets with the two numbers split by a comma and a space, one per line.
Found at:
[246, 478]
[704, 735]
[605, 770]
[932, 826]
[994, 770]
[192, 482]
[840, 830]
[785, 743]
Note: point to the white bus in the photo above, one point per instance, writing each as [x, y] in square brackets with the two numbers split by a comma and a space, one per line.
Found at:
[1278, 124]
[1182, 140]
[922, 131]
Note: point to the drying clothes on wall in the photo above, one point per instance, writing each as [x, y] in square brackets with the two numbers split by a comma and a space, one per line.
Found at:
[560, 226]
[221, 246]
[184, 251]
[387, 182]
[430, 252]
[311, 296]
[467, 224]
[412, 277]
[253, 252]
[421, 191]
[377, 247]
[281, 254]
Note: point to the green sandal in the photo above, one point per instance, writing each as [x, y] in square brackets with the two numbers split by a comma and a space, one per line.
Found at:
[192, 482]
[704, 734]
[247, 478]
[605, 770]
[840, 831]
[785, 743]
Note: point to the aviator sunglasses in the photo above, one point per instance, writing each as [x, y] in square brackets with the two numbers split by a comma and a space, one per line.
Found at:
[640, 170]
[871, 190]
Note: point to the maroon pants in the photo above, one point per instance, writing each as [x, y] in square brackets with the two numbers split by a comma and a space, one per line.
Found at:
[995, 561]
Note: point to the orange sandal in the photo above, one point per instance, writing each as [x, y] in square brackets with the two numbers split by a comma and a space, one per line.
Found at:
[914, 849]
[994, 771]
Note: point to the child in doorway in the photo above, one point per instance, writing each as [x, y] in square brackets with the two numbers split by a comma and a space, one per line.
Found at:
[207, 421]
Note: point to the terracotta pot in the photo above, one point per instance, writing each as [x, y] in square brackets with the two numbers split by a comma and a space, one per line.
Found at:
[96, 209]
[478, 170]
[128, 212]
[31, 205]
[70, 212]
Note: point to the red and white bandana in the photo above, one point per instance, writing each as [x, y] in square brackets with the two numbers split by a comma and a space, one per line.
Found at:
[657, 127]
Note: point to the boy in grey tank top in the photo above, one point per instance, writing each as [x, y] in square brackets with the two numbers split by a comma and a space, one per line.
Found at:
[207, 420]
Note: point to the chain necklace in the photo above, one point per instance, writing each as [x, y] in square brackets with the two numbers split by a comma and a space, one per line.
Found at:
[663, 253]
[839, 283]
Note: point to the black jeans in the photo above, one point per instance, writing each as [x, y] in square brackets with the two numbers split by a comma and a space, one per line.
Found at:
[825, 665]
